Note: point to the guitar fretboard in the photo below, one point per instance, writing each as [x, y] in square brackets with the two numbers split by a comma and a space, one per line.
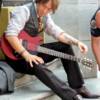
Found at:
[85, 61]
[57, 54]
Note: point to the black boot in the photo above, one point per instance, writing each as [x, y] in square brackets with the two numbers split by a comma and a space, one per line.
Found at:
[85, 93]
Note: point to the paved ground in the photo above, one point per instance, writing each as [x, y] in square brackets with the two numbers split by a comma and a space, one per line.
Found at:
[37, 91]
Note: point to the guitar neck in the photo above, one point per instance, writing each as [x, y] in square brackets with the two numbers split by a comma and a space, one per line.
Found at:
[57, 54]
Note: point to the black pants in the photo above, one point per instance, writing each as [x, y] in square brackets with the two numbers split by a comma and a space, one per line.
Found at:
[72, 70]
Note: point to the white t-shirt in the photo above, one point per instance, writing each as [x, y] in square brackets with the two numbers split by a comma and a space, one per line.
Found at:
[20, 15]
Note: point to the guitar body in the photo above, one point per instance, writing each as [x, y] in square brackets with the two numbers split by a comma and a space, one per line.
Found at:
[30, 43]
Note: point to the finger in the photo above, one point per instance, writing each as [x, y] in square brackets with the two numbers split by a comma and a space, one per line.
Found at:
[36, 61]
[31, 64]
[40, 60]
[85, 50]
[82, 50]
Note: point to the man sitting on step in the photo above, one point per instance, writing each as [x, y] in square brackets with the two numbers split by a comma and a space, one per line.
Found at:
[22, 34]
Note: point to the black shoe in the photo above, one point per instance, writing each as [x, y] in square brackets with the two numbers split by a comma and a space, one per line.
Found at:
[77, 97]
[84, 92]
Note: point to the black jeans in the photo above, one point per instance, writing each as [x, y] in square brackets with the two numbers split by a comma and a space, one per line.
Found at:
[72, 70]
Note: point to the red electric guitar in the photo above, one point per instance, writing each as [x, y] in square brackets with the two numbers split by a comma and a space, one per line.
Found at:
[33, 44]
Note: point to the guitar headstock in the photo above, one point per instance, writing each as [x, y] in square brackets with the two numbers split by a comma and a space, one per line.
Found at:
[88, 63]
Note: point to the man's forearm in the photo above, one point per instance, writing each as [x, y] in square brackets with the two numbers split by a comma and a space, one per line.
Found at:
[64, 37]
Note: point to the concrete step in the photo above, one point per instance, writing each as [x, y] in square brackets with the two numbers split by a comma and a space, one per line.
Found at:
[34, 90]
[30, 88]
